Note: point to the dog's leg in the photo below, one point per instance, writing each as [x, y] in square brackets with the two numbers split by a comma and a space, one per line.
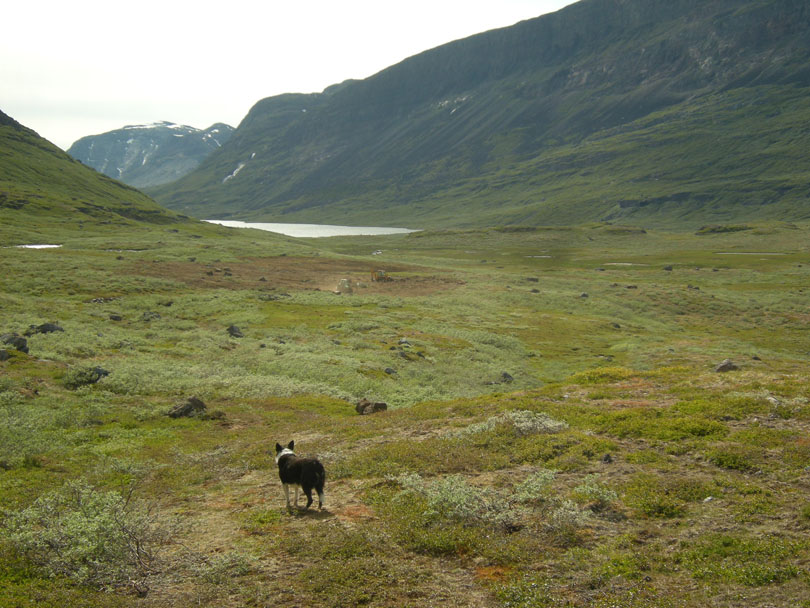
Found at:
[320, 499]
[296, 496]
[308, 492]
[287, 494]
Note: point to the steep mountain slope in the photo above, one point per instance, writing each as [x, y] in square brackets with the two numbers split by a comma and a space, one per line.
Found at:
[630, 110]
[149, 155]
[43, 189]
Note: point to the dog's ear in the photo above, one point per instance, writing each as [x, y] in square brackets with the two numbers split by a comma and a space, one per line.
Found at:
[290, 445]
[278, 448]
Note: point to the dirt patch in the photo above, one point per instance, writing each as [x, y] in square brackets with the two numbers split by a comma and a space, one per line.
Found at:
[314, 273]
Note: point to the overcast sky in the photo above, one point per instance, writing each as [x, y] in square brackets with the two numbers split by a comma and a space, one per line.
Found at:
[82, 67]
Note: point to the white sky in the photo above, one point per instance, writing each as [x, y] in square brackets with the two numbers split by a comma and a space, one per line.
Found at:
[82, 67]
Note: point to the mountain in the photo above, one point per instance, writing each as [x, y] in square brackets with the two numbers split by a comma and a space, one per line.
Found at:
[149, 155]
[43, 190]
[669, 111]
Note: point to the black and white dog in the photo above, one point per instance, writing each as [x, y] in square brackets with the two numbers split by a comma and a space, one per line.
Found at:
[304, 473]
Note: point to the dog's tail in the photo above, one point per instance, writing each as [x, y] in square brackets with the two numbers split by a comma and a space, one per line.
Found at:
[320, 478]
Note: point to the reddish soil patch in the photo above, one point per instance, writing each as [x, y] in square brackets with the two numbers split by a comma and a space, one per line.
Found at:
[313, 273]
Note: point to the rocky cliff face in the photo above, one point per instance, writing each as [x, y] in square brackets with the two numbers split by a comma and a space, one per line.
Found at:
[149, 155]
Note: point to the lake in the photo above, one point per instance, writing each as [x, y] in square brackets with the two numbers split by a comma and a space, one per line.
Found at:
[313, 230]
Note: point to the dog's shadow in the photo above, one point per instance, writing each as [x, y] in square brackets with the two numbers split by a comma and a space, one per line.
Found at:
[300, 513]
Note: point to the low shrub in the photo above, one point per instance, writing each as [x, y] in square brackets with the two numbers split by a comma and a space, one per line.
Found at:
[750, 561]
[521, 423]
[96, 538]
[598, 496]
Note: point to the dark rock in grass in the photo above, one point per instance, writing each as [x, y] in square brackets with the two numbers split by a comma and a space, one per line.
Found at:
[607, 458]
[668, 268]
[190, 408]
[726, 366]
[150, 315]
[4, 356]
[756, 358]
[390, 371]
[583, 295]
[365, 407]
[84, 376]
[45, 328]
[235, 332]
[15, 340]
[535, 290]
[533, 279]
[506, 378]
[115, 317]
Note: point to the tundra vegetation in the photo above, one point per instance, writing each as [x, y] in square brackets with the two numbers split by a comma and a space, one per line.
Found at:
[557, 434]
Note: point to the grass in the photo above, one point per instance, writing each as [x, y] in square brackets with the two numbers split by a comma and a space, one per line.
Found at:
[615, 468]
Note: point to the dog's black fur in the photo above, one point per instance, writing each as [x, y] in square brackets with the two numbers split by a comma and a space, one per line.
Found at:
[306, 473]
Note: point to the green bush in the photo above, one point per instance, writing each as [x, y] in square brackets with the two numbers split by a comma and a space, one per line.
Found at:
[102, 539]
[750, 561]
[599, 497]
[520, 422]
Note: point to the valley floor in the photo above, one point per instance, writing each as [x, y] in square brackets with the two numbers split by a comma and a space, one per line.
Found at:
[557, 431]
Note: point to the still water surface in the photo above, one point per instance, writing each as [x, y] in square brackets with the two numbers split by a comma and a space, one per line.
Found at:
[313, 230]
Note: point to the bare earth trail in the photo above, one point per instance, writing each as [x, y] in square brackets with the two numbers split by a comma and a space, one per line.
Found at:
[215, 527]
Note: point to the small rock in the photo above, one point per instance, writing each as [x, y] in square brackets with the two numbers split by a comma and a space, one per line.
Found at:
[235, 332]
[365, 407]
[535, 291]
[726, 366]
[263, 280]
[616, 326]
[506, 378]
[190, 408]
[583, 295]
[390, 371]
[755, 358]
[668, 268]
[115, 317]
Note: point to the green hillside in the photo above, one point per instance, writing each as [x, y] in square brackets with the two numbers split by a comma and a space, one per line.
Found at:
[44, 191]
[674, 112]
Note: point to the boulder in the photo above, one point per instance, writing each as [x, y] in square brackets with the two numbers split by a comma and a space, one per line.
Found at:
[235, 332]
[15, 340]
[726, 366]
[364, 407]
[190, 408]
[45, 328]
